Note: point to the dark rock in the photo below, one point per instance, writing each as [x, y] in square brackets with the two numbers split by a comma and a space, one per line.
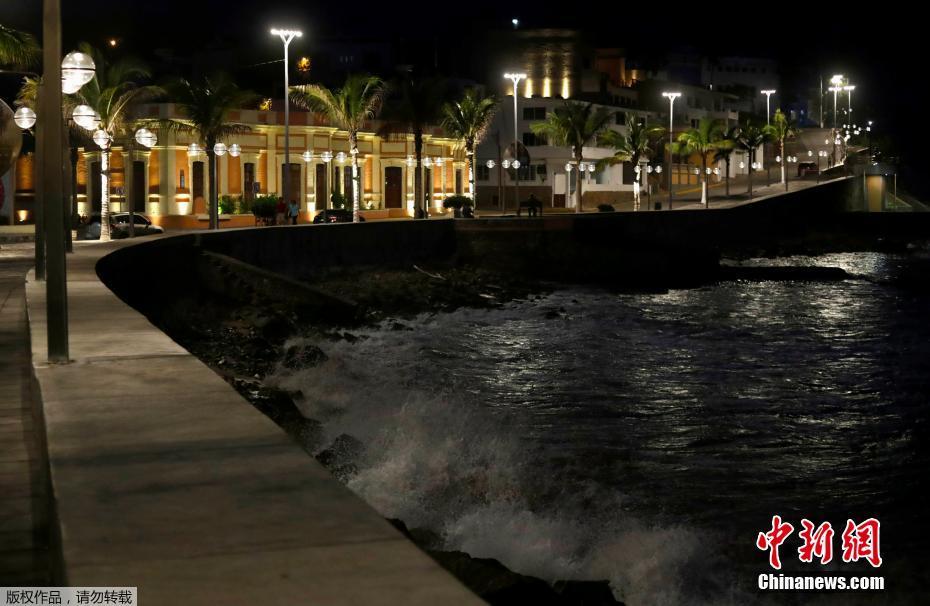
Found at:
[340, 457]
[274, 328]
[303, 356]
[552, 314]
[494, 582]
[586, 593]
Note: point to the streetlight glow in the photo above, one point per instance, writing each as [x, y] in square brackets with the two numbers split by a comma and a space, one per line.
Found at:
[25, 117]
[768, 97]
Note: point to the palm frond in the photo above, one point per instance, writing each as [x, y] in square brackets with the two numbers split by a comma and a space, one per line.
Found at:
[18, 49]
[469, 118]
[349, 107]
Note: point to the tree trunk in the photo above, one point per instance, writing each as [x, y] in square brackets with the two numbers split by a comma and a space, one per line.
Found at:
[752, 158]
[471, 173]
[784, 161]
[214, 209]
[418, 177]
[353, 149]
[578, 196]
[72, 213]
[105, 195]
[704, 179]
[728, 177]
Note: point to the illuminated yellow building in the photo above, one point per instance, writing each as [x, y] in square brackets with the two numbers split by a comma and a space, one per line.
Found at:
[165, 181]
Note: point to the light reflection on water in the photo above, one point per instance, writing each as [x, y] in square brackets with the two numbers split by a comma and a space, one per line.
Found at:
[728, 402]
[696, 413]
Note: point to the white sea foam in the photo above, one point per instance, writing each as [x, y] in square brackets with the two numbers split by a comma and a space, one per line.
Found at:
[437, 458]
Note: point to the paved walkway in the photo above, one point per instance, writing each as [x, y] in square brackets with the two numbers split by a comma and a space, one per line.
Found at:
[23, 494]
[165, 478]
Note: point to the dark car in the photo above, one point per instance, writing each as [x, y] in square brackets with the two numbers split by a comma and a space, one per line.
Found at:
[335, 215]
[119, 226]
[807, 168]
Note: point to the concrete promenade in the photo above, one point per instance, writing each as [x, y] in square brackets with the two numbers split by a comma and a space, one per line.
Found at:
[24, 503]
[166, 479]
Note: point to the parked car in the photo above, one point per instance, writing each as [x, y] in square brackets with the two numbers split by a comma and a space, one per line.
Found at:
[807, 168]
[335, 215]
[119, 226]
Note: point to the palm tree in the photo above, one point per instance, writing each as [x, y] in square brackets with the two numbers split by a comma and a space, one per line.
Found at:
[575, 125]
[702, 141]
[205, 105]
[349, 107]
[18, 49]
[780, 130]
[630, 147]
[415, 105]
[727, 144]
[751, 137]
[468, 119]
[113, 93]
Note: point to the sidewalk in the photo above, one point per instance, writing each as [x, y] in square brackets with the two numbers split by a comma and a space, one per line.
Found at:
[165, 478]
[23, 495]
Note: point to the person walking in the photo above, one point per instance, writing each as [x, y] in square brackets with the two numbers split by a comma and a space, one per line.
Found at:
[292, 211]
[279, 210]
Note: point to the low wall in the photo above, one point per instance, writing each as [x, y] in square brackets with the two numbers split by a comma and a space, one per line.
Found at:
[186, 222]
[671, 248]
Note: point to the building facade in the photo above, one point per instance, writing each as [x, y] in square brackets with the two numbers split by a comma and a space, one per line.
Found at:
[172, 186]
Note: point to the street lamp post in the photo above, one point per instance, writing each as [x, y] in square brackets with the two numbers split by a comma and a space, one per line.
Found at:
[515, 78]
[869, 130]
[76, 70]
[768, 113]
[286, 36]
[671, 123]
[837, 82]
[849, 88]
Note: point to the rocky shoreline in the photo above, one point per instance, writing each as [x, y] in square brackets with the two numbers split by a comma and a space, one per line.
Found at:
[246, 343]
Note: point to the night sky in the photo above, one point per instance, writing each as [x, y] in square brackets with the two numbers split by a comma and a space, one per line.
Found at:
[878, 50]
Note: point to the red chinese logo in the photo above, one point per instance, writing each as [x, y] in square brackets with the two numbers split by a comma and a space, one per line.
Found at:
[817, 543]
[773, 539]
[861, 541]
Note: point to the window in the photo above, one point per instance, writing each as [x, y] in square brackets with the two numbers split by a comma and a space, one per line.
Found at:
[534, 113]
[482, 172]
[533, 139]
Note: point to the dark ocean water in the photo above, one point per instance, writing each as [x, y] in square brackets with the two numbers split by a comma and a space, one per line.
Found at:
[647, 438]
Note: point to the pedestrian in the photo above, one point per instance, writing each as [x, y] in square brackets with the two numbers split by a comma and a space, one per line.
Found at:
[279, 210]
[292, 211]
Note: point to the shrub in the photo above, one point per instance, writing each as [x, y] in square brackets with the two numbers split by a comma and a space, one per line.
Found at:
[264, 206]
[605, 208]
[228, 204]
[338, 200]
[456, 202]
[244, 206]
